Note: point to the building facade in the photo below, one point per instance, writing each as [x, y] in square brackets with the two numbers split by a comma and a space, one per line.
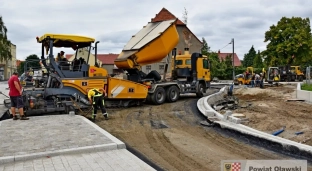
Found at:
[83, 53]
[222, 56]
[7, 67]
[187, 40]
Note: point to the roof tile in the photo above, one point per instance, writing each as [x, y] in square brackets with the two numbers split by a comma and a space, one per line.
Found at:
[163, 15]
[105, 58]
[237, 61]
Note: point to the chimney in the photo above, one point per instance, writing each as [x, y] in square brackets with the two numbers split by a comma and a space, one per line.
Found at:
[186, 51]
[218, 51]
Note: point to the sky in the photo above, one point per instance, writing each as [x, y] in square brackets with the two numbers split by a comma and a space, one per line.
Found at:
[114, 22]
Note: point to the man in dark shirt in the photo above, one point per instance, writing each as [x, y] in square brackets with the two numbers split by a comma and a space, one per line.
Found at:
[16, 97]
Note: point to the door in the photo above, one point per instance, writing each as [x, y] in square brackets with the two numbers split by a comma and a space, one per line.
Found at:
[206, 70]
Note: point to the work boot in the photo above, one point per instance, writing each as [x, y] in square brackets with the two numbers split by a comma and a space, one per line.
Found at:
[15, 117]
[105, 115]
[23, 117]
[93, 118]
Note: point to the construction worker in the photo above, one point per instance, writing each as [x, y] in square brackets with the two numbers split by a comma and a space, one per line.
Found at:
[261, 80]
[96, 98]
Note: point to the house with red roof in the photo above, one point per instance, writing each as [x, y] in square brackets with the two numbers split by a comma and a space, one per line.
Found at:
[222, 57]
[108, 62]
[104, 60]
[187, 40]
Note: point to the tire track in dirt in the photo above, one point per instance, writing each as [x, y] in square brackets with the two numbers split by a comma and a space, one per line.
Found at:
[168, 151]
[170, 136]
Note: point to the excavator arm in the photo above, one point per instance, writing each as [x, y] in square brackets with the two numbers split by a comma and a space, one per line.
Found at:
[150, 45]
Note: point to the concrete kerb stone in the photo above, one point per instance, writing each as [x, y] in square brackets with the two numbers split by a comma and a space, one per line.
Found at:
[209, 112]
[96, 148]
[285, 143]
[303, 94]
[120, 144]
[233, 123]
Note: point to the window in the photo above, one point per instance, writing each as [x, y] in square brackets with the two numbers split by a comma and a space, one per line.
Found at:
[205, 64]
[188, 62]
[148, 68]
[161, 67]
[179, 62]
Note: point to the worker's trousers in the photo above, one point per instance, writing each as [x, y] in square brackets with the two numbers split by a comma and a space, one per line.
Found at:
[98, 102]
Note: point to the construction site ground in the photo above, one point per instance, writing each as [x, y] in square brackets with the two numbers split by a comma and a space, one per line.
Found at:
[170, 135]
[273, 108]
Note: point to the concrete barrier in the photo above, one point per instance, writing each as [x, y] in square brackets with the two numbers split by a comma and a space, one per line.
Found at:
[228, 122]
[303, 94]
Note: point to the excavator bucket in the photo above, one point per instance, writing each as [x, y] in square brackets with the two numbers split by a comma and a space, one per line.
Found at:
[150, 45]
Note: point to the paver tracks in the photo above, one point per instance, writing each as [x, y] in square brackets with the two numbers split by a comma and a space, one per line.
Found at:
[170, 135]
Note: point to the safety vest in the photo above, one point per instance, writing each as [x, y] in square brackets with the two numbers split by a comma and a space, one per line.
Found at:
[96, 93]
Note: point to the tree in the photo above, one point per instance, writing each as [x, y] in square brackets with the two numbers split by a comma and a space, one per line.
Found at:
[228, 61]
[32, 61]
[289, 41]
[257, 62]
[215, 64]
[249, 57]
[20, 68]
[213, 59]
[185, 17]
[205, 49]
[5, 44]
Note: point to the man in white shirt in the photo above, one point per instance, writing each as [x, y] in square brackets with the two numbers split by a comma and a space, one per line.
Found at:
[257, 79]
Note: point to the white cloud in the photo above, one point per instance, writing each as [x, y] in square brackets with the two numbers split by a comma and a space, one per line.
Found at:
[114, 22]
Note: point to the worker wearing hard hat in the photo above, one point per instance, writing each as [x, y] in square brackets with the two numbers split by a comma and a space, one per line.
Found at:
[96, 98]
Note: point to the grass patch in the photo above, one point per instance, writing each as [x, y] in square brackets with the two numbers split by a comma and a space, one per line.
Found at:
[306, 86]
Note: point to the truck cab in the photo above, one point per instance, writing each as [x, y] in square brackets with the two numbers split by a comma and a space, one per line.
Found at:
[181, 67]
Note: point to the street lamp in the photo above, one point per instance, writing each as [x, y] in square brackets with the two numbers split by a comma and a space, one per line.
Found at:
[232, 42]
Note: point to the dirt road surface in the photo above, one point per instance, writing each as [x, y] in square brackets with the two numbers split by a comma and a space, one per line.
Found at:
[270, 111]
[170, 136]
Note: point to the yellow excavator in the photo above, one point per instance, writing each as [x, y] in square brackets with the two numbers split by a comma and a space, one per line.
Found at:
[69, 81]
[244, 79]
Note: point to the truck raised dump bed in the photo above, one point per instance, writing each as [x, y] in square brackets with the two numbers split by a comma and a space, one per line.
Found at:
[150, 45]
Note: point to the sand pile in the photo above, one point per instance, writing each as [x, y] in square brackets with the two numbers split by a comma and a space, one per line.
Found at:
[257, 91]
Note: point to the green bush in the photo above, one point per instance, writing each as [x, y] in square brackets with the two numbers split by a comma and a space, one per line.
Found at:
[306, 86]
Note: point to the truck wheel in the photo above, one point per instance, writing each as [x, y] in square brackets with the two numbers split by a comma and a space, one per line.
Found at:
[201, 89]
[159, 96]
[172, 94]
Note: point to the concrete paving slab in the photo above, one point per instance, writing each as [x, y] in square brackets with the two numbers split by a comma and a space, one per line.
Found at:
[52, 135]
[120, 159]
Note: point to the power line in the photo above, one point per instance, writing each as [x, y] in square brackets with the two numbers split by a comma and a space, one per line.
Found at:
[225, 46]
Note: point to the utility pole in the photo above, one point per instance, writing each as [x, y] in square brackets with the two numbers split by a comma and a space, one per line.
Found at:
[233, 59]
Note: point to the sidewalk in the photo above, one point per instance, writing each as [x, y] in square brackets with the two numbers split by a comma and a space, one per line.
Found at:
[62, 142]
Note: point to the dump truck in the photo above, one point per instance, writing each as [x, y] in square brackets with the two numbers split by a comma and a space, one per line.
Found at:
[68, 83]
[291, 73]
[151, 45]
